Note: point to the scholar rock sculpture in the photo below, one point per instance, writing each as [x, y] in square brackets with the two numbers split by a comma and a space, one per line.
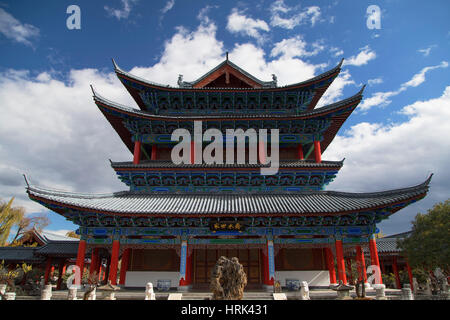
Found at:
[228, 279]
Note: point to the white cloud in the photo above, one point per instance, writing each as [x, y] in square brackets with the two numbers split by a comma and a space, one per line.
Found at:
[382, 157]
[239, 23]
[382, 99]
[169, 5]
[278, 8]
[336, 51]
[375, 81]
[295, 47]
[121, 13]
[362, 58]
[15, 30]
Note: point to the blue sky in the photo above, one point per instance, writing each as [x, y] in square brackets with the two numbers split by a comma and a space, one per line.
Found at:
[52, 131]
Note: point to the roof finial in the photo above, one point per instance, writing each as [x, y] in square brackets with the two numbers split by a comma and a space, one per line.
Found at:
[227, 55]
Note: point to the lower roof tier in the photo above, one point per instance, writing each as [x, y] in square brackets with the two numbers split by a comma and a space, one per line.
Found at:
[137, 209]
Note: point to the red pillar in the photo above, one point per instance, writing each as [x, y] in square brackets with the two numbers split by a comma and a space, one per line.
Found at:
[395, 269]
[408, 267]
[340, 261]
[137, 152]
[114, 262]
[124, 266]
[80, 256]
[361, 264]
[154, 152]
[349, 268]
[48, 268]
[261, 152]
[374, 254]
[94, 261]
[330, 265]
[60, 274]
[188, 267]
[317, 152]
[300, 152]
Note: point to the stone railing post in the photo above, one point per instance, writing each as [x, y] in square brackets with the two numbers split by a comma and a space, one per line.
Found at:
[407, 293]
[72, 295]
[380, 291]
[46, 293]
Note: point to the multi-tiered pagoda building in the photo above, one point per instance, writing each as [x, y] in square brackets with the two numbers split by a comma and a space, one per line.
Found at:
[175, 221]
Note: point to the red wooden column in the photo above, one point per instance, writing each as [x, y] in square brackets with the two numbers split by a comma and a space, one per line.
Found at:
[192, 152]
[188, 267]
[137, 152]
[340, 261]
[154, 152]
[124, 266]
[374, 254]
[114, 262]
[348, 261]
[317, 152]
[408, 267]
[361, 264]
[395, 269]
[300, 152]
[48, 268]
[94, 261]
[330, 265]
[61, 266]
[80, 256]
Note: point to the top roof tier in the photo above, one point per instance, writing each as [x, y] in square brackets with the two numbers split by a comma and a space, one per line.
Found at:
[227, 89]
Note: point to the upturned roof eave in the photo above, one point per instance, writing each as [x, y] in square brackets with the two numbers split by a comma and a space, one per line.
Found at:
[156, 85]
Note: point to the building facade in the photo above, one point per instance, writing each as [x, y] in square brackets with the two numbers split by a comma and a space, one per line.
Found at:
[176, 220]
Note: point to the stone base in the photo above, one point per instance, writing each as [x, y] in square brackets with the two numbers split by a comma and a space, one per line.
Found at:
[267, 288]
[184, 288]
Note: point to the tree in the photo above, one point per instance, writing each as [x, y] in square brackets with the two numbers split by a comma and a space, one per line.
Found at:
[9, 217]
[26, 225]
[428, 246]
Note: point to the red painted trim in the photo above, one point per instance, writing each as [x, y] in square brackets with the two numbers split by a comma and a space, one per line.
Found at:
[137, 152]
[330, 265]
[340, 262]
[124, 266]
[114, 262]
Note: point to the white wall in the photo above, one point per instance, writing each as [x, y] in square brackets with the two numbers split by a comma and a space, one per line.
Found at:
[314, 278]
[140, 278]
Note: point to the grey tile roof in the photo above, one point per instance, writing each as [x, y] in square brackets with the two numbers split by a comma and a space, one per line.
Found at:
[232, 115]
[118, 70]
[283, 164]
[387, 245]
[62, 248]
[19, 254]
[302, 203]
